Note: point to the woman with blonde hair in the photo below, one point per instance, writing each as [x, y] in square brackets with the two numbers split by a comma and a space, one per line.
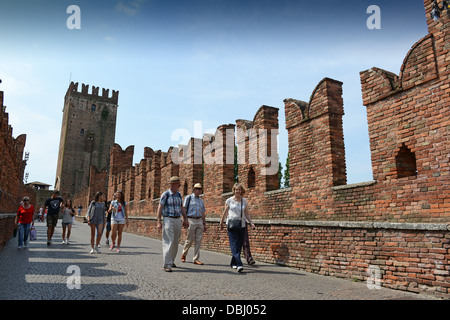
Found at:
[119, 218]
[236, 210]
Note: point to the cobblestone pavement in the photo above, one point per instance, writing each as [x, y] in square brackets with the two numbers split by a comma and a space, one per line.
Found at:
[47, 272]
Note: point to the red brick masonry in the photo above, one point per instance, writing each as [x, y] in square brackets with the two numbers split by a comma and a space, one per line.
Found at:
[397, 224]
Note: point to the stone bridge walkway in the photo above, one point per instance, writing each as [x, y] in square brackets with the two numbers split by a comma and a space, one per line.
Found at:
[42, 272]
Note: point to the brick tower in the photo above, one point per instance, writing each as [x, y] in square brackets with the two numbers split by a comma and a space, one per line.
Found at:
[87, 135]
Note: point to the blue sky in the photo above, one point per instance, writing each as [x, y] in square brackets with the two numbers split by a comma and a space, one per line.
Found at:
[177, 62]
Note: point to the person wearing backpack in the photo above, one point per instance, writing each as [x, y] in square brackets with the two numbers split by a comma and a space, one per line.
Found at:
[54, 206]
[195, 212]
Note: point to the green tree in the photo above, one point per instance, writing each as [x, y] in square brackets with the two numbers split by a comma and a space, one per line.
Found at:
[280, 174]
[287, 175]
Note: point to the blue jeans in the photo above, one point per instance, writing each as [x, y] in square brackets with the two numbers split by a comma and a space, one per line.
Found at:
[24, 232]
[236, 240]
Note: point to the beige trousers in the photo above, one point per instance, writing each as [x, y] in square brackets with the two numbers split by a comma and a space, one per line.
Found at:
[170, 237]
[194, 234]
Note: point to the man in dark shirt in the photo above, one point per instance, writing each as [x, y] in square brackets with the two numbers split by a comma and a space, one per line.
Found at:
[53, 206]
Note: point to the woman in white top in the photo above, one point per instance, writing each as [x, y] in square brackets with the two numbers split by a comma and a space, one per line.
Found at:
[119, 218]
[236, 209]
[67, 220]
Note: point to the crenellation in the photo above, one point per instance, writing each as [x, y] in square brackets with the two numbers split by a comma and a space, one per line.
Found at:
[73, 92]
[419, 65]
[320, 223]
[84, 89]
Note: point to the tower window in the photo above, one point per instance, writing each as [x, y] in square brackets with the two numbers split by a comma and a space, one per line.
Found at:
[82, 131]
[93, 107]
[405, 162]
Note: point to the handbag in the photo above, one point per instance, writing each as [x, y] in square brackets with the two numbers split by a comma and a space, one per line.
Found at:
[234, 225]
[90, 211]
[33, 235]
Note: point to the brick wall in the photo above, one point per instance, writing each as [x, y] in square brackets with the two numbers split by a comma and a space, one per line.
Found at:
[396, 225]
[12, 167]
[98, 182]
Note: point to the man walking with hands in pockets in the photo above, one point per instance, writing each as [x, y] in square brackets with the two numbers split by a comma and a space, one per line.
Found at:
[171, 208]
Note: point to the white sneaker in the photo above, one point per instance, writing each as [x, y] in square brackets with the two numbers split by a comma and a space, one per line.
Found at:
[64, 241]
[92, 251]
[240, 268]
[97, 249]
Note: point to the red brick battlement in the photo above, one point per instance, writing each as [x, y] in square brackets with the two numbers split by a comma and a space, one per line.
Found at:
[12, 167]
[397, 224]
[73, 92]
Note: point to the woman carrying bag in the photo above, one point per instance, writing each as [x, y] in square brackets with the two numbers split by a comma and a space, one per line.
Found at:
[24, 220]
[236, 210]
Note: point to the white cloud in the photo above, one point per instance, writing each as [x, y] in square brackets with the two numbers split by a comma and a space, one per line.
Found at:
[110, 39]
[130, 8]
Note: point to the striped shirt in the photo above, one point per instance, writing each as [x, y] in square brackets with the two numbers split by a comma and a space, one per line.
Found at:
[171, 203]
[196, 206]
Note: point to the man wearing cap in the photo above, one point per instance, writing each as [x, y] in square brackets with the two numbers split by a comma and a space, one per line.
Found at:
[171, 208]
[195, 212]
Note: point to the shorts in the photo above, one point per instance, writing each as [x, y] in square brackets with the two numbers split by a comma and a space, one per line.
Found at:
[66, 223]
[52, 220]
[117, 221]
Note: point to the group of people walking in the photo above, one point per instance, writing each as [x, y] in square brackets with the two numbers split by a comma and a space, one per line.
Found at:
[173, 213]
[25, 218]
[171, 209]
[98, 215]
[115, 217]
